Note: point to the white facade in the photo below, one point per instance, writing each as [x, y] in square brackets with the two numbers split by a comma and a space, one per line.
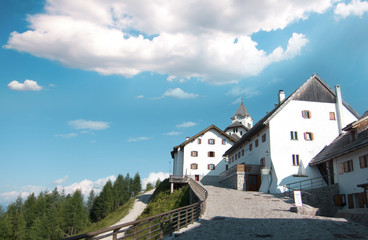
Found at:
[286, 139]
[348, 181]
[200, 157]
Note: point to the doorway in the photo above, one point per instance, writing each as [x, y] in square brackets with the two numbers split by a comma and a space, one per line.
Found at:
[253, 182]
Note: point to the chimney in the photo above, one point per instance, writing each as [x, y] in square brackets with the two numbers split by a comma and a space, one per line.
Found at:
[188, 138]
[339, 108]
[281, 96]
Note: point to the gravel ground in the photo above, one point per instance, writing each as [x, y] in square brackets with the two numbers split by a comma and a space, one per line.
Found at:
[232, 214]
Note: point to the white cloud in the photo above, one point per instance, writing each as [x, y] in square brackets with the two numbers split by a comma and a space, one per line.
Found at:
[172, 133]
[179, 93]
[61, 180]
[140, 96]
[186, 124]
[184, 39]
[152, 178]
[90, 125]
[246, 92]
[355, 7]
[138, 139]
[85, 186]
[28, 85]
[69, 135]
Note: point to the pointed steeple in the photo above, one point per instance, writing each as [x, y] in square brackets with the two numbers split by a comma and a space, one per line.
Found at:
[242, 112]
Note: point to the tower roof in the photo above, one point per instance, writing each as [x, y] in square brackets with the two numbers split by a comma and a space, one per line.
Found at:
[242, 111]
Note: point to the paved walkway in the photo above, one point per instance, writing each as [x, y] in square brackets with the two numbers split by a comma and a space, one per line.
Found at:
[232, 214]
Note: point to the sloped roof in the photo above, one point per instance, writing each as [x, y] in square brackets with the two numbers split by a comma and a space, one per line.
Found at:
[242, 111]
[212, 127]
[235, 125]
[341, 146]
[314, 89]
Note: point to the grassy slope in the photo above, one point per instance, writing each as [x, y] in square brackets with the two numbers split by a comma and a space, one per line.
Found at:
[112, 218]
[162, 201]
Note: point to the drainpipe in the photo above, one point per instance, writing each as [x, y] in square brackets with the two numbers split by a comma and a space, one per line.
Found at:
[339, 109]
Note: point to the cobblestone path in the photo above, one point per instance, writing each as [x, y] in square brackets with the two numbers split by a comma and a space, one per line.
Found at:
[232, 214]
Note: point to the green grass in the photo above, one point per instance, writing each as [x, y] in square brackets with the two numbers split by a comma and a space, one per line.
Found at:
[162, 201]
[112, 218]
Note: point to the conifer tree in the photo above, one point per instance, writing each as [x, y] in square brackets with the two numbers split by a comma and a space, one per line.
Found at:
[149, 186]
[157, 183]
[136, 185]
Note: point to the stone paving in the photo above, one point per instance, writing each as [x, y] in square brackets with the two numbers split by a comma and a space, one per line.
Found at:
[233, 214]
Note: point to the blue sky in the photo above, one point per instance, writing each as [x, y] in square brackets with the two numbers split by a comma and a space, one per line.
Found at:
[89, 91]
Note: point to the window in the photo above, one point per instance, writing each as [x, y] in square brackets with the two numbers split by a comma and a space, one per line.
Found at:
[256, 143]
[293, 135]
[211, 166]
[345, 167]
[199, 141]
[241, 133]
[236, 156]
[223, 141]
[232, 159]
[262, 162]
[194, 153]
[242, 152]
[332, 116]
[308, 136]
[264, 138]
[306, 114]
[363, 161]
[194, 166]
[211, 154]
[211, 141]
[296, 160]
[239, 154]
[250, 147]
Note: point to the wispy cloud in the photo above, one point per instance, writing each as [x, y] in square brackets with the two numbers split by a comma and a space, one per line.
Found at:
[177, 93]
[68, 135]
[186, 124]
[172, 133]
[138, 139]
[89, 125]
[140, 96]
[28, 85]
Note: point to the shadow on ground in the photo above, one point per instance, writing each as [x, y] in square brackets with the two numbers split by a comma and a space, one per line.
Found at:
[253, 228]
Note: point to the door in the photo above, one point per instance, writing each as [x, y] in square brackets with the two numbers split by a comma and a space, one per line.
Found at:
[253, 182]
[196, 177]
[351, 201]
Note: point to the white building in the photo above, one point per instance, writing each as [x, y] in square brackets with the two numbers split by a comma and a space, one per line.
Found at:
[200, 156]
[345, 162]
[278, 148]
[241, 122]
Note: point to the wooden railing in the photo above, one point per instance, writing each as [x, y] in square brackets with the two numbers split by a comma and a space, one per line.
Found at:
[155, 227]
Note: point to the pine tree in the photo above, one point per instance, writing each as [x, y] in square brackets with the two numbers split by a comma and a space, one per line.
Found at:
[36, 231]
[6, 231]
[118, 191]
[136, 185]
[29, 210]
[128, 183]
[157, 183]
[149, 186]
[90, 200]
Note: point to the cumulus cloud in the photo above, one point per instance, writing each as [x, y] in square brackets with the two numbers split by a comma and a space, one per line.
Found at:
[186, 124]
[138, 139]
[61, 180]
[86, 185]
[89, 125]
[28, 85]
[355, 7]
[179, 93]
[184, 39]
[153, 177]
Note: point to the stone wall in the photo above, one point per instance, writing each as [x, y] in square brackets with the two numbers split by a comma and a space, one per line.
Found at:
[234, 181]
[323, 199]
[359, 215]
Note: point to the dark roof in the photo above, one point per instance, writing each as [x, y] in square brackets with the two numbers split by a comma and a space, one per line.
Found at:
[242, 111]
[314, 89]
[175, 149]
[341, 146]
[235, 125]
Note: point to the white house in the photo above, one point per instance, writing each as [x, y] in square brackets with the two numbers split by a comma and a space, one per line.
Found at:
[278, 148]
[241, 122]
[345, 162]
[200, 156]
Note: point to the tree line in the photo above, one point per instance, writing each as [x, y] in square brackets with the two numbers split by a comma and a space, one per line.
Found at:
[55, 215]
